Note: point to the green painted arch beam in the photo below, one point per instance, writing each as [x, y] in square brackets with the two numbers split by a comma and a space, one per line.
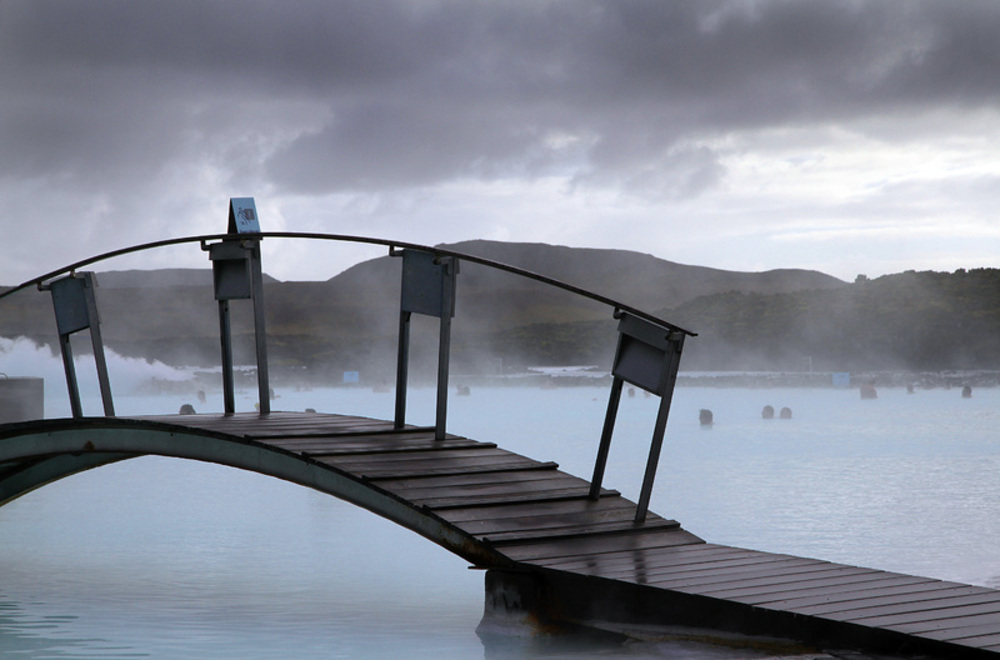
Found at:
[34, 454]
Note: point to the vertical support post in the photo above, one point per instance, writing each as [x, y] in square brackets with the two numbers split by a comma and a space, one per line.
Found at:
[75, 304]
[428, 287]
[444, 356]
[402, 368]
[609, 428]
[226, 339]
[671, 364]
[97, 343]
[237, 274]
[66, 348]
[260, 333]
[648, 356]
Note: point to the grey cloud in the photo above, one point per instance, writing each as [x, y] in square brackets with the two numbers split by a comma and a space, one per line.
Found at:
[421, 92]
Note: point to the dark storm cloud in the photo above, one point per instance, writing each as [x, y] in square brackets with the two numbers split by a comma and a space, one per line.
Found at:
[416, 93]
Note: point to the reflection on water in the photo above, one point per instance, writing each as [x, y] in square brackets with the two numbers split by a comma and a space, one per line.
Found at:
[164, 558]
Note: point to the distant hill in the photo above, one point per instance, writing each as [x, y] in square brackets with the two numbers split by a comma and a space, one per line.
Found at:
[641, 280]
[924, 321]
[491, 300]
[776, 319]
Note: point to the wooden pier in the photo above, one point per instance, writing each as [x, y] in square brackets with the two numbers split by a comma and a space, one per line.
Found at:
[554, 555]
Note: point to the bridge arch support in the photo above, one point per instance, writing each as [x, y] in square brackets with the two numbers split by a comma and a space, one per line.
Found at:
[34, 454]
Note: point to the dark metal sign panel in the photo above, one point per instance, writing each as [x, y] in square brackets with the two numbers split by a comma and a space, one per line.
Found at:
[231, 270]
[426, 281]
[69, 298]
[643, 354]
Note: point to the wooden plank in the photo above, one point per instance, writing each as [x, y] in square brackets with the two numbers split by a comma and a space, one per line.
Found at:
[576, 532]
[466, 467]
[772, 592]
[425, 459]
[933, 617]
[623, 511]
[364, 438]
[892, 615]
[963, 635]
[537, 551]
[715, 562]
[361, 427]
[350, 445]
[254, 425]
[339, 427]
[639, 571]
[497, 487]
[859, 605]
[831, 602]
[988, 639]
[880, 582]
[768, 575]
[581, 507]
[412, 486]
[658, 556]
[735, 564]
[951, 629]
[775, 583]
[654, 567]
[471, 500]
[429, 458]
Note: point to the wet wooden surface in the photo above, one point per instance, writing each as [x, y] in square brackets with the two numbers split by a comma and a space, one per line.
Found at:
[539, 516]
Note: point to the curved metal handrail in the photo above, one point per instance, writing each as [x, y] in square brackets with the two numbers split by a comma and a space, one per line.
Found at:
[646, 355]
[441, 252]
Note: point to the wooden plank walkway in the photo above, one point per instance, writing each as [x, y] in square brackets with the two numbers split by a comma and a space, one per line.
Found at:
[541, 520]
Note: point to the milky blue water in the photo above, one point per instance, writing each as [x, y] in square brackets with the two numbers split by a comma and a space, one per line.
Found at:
[165, 558]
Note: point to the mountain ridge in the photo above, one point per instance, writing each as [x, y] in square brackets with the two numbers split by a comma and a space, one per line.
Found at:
[350, 322]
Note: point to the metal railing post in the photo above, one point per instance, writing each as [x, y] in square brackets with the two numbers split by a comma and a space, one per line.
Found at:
[647, 356]
[66, 348]
[671, 363]
[259, 330]
[237, 274]
[444, 349]
[75, 304]
[402, 368]
[609, 428]
[226, 341]
[427, 287]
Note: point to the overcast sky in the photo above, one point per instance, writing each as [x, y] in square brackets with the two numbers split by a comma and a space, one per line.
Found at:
[848, 137]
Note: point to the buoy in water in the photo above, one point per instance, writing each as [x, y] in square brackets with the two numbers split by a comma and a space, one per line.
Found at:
[705, 417]
[967, 392]
[786, 413]
[767, 412]
[187, 409]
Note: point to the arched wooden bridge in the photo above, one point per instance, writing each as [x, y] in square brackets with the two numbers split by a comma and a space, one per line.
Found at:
[559, 549]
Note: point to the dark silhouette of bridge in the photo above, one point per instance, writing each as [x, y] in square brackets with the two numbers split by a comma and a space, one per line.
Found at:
[558, 549]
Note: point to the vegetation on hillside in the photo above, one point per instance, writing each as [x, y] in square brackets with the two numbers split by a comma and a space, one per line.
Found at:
[912, 320]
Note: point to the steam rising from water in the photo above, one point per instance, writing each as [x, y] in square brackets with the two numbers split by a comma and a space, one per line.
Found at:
[22, 357]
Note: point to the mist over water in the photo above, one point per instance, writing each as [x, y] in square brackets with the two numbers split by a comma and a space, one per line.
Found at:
[164, 558]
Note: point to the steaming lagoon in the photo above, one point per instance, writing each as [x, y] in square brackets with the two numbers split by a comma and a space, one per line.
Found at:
[166, 558]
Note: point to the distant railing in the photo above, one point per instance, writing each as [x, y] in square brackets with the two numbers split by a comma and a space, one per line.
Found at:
[647, 354]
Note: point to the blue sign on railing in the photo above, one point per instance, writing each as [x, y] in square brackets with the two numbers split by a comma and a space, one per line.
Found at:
[243, 216]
